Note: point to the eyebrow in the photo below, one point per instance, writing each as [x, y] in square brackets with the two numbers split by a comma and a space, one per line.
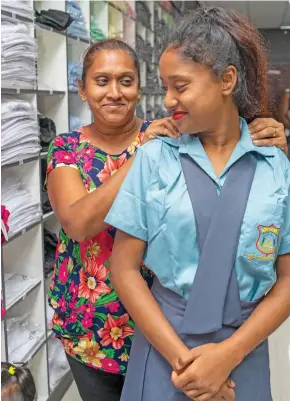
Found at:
[102, 73]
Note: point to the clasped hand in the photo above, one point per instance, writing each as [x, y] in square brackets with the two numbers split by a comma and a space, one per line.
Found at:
[203, 373]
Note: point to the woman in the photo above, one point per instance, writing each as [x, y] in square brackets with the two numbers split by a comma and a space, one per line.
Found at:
[211, 211]
[93, 325]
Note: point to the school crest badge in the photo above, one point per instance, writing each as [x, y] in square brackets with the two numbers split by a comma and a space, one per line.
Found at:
[268, 239]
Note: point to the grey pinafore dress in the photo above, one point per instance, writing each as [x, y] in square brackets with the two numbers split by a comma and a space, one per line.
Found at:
[213, 311]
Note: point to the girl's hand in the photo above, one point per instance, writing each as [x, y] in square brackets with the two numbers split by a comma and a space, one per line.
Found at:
[204, 369]
[165, 127]
[226, 393]
[268, 132]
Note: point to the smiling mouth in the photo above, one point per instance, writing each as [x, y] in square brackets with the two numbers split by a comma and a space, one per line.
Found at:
[114, 105]
[178, 115]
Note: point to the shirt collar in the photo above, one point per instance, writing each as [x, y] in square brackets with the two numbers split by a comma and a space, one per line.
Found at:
[191, 144]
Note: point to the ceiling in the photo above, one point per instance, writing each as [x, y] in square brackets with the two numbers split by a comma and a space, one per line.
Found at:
[262, 14]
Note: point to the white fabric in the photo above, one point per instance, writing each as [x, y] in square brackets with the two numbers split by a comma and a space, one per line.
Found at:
[23, 337]
[19, 7]
[20, 131]
[18, 54]
[58, 364]
[24, 210]
[16, 286]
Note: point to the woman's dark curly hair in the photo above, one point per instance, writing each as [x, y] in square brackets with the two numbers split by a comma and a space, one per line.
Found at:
[218, 38]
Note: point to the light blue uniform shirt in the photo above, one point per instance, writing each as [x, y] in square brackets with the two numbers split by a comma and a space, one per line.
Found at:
[154, 205]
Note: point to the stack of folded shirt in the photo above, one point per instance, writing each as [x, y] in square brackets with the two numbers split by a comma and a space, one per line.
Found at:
[78, 26]
[23, 337]
[18, 55]
[19, 7]
[74, 74]
[20, 132]
[57, 362]
[24, 210]
[96, 32]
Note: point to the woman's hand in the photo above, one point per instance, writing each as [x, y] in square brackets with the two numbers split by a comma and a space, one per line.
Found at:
[204, 371]
[268, 132]
[163, 127]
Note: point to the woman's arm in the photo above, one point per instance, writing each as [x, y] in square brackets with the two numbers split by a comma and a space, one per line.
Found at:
[81, 214]
[208, 366]
[268, 132]
[138, 300]
[284, 109]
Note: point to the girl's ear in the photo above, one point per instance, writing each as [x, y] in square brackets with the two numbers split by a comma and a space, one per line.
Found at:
[229, 80]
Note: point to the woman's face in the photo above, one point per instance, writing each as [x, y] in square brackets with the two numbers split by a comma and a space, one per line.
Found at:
[111, 87]
[193, 93]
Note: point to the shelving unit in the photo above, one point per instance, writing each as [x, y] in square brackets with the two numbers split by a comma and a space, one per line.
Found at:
[51, 97]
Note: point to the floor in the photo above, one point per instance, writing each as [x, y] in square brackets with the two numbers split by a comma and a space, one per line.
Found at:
[280, 367]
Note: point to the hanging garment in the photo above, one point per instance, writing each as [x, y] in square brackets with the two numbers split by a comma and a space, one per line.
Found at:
[4, 224]
[50, 245]
[218, 312]
[47, 132]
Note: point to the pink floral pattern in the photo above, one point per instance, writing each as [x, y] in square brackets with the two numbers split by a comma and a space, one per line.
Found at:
[89, 318]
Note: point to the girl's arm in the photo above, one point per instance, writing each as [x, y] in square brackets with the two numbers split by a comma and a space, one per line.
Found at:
[138, 300]
[208, 366]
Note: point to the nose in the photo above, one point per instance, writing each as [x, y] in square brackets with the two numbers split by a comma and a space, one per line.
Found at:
[113, 91]
[170, 102]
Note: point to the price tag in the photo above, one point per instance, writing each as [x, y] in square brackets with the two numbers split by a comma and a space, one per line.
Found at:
[21, 163]
[17, 90]
[13, 15]
[23, 231]
[51, 92]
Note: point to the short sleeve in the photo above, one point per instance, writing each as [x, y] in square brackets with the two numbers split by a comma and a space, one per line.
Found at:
[128, 212]
[284, 246]
[60, 154]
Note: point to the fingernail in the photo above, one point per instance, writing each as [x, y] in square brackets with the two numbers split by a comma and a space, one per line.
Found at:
[178, 367]
[256, 142]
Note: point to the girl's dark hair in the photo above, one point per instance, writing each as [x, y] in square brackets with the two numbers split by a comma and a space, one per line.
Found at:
[218, 38]
[108, 44]
[17, 383]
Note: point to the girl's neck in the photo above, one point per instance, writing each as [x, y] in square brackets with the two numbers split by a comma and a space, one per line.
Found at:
[220, 143]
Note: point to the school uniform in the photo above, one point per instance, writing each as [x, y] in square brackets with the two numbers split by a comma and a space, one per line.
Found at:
[212, 243]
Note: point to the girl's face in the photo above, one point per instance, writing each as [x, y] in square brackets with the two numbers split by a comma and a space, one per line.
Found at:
[193, 93]
[111, 87]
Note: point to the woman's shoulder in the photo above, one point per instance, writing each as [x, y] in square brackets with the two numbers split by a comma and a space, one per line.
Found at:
[67, 139]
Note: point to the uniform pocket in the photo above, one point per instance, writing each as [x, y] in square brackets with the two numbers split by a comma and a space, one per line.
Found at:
[260, 234]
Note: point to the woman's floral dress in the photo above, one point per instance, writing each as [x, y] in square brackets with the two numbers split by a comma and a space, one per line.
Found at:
[89, 318]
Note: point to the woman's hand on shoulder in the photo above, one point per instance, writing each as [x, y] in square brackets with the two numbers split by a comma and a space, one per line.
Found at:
[268, 132]
[162, 127]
